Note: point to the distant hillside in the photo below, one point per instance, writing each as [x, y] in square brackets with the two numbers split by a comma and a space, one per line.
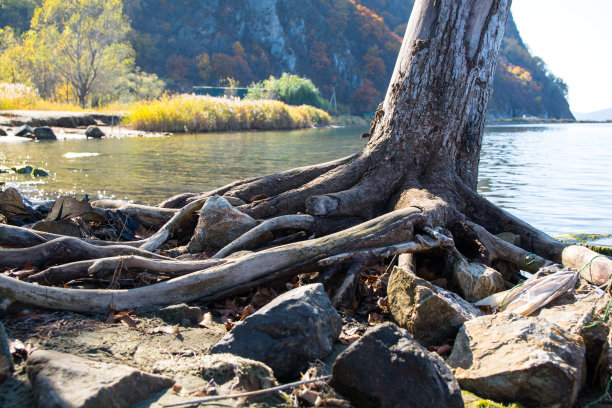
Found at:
[349, 46]
[601, 115]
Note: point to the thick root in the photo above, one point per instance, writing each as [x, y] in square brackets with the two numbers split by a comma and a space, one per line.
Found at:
[62, 250]
[387, 229]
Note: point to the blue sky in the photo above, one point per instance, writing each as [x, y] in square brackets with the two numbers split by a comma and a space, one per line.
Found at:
[574, 38]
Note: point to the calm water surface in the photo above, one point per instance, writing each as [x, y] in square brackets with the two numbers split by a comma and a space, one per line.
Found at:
[556, 177]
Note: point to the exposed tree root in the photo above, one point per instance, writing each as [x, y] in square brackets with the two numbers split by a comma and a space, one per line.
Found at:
[62, 250]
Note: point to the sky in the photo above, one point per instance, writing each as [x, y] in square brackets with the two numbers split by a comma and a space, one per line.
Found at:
[574, 38]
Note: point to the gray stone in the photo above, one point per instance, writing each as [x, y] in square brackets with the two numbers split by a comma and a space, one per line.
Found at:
[387, 368]
[178, 314]
[44, 133]
[477, 281]
[65, 380]
[24, 131]
[3, 132]
[296, 328]
[95, 132]
[431, 314]
[6, 360]
[219, 224]
[510, 238]
[507, 357]
[234, 374]
[571, 313]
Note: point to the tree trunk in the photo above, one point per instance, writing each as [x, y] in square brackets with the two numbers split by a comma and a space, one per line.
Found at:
[419, 169]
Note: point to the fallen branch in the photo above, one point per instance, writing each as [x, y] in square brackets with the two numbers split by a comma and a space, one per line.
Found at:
[303, 222]
[65, 249]
[250, 393]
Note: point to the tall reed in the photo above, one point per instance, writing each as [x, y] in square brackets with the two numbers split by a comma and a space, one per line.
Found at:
[195, 113]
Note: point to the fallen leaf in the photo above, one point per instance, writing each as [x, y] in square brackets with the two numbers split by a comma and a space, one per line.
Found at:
[207, 321]
[383, 303]
[128, 321]
[176, 388]
[309, 396]
[348, 339]
[249, 310]
[229, 324]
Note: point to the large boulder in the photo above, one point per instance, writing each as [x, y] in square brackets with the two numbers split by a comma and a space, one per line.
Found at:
[296, 328]
[44, 133]
[65, 380]
[477, 281]
[387, 368]
[507, 357]
[94, 132]
[24, 131]
[219, 224]
[431, 314]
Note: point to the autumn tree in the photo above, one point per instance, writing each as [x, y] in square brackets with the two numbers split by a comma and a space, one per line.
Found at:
[88, 43]
[412, 186]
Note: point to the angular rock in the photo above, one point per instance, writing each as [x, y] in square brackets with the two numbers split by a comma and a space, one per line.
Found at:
[24, 131]
[65, 380]
[296, 328]
[3, 132]
[507, 357]
[182, 314]
[6, 360]
[573, 314]
[219, 224]
[477, 281]
[44, 133]
[387, 368]
[431, 314]
[95, 132]
[234, 374]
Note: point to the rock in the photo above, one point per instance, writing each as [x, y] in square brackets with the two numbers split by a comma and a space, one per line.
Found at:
[573, 314]
[40, 173]
[219, 224]
[95, 132]
[6, 360]
[24, 131]
[234, 374]
[65, 380]
[177, 314]
[23, 169]
[66, 227]
[3, 132]
[431, 314]
[477, 281]
[387, 368]
[44, 133]
[507, 357]
[296, 328]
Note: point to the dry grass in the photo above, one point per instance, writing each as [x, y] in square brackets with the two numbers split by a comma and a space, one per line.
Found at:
[208, 114]
[23, 97]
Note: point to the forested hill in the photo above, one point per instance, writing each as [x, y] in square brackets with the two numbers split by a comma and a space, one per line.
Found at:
[349, 46]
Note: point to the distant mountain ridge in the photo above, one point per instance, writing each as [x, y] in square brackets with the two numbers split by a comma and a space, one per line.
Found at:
[345, 46]
[600, 115]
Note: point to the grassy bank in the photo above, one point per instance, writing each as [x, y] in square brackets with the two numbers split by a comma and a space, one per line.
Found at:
[207, 114]
[23, 97]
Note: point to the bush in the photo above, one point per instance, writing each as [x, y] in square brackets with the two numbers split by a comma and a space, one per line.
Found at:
[290, 89]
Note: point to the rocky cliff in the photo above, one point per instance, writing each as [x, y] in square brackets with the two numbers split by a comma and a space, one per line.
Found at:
[349, 46]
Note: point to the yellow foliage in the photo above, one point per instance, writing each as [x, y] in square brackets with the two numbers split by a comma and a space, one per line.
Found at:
[519, 72]
[23, 97]
[207, 114]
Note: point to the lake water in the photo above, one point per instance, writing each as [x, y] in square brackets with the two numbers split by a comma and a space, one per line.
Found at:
[556, 177]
